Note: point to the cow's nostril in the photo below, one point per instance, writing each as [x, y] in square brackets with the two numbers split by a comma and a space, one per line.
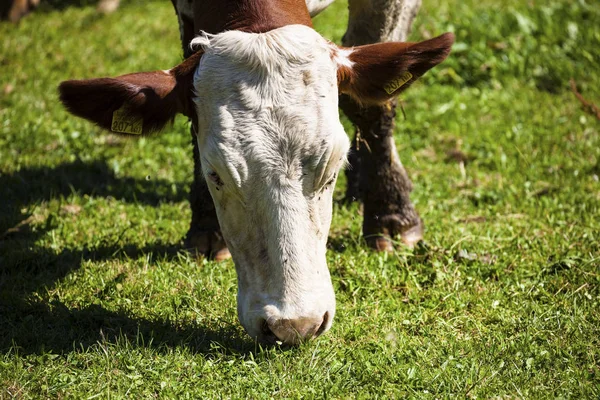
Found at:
[323, 324]
[267, 334]
[294, 331]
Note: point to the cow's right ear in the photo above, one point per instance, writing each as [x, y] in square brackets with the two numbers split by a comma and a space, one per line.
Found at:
[135, 104]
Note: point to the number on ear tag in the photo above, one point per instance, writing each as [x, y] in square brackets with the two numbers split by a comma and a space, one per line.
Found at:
[123, 121]
[398, 82]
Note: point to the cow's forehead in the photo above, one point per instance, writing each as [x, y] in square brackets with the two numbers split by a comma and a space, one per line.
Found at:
[269, 98]
[277, 68]
[288, 45]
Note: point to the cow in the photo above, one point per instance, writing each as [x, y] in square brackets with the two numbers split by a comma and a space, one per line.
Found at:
[14, 10]
[261, 88]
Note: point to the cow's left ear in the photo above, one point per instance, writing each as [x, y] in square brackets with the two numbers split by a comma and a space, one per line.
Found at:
[136, 104]
[372, 74]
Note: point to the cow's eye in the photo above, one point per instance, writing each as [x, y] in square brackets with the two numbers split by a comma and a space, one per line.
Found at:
[330, 182]
[214, 178]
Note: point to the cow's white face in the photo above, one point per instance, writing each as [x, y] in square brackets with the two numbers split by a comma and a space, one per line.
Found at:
[271, 145]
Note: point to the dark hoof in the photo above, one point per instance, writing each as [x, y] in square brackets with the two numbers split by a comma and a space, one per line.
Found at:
[207, 244]
[380, 243]
[408, 235]
[413, 235]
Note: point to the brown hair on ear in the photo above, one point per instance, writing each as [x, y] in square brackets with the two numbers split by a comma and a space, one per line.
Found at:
[377, 72]
[138, 103]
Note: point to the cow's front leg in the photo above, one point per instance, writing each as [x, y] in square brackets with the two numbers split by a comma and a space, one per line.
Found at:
[204, 236]
[383, 186]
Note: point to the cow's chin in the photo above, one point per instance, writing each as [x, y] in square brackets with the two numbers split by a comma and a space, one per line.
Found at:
[298, 308]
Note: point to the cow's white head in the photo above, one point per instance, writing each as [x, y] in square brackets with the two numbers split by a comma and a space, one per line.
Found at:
[271, 145]
[265, 107]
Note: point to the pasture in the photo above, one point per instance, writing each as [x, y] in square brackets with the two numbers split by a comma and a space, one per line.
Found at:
[502, 300]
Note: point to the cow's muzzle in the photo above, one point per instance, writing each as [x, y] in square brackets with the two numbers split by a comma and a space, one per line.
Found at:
[292, 331]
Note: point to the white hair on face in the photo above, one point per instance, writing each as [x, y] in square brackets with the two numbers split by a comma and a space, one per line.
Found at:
[294, 44]
[201, 41]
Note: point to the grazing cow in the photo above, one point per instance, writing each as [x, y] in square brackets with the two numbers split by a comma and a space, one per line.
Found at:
[14, 10]
[261, 90]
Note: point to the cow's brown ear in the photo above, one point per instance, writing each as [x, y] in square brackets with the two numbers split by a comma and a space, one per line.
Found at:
[374, 73]
[135, 104]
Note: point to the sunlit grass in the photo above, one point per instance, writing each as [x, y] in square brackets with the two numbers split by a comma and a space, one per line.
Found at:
[502, 299]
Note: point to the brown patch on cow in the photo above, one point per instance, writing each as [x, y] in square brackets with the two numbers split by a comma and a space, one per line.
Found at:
[249, 15]
[307, 78]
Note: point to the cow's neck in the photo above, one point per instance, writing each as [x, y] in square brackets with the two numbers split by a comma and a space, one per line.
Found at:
[249, 15]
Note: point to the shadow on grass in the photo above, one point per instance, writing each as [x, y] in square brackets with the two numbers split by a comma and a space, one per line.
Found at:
[31, 325]
[24, 189]
[95, 178]
[36, 327]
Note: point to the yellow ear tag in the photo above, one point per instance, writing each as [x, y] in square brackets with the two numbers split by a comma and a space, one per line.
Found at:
[398, 83]
[125, 122]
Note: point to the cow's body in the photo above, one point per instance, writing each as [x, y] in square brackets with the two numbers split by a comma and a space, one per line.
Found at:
[262, 93]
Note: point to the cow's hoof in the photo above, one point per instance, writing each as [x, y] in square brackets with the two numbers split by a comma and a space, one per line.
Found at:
[380, 243]
[408, 235]
[208, 244]
[221, 254]
[413, 235]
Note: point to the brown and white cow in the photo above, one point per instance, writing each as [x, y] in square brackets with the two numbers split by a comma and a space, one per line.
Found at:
[14, 10]
[262, 92]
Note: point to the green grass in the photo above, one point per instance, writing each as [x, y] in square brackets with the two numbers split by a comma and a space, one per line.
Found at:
[502, 301]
